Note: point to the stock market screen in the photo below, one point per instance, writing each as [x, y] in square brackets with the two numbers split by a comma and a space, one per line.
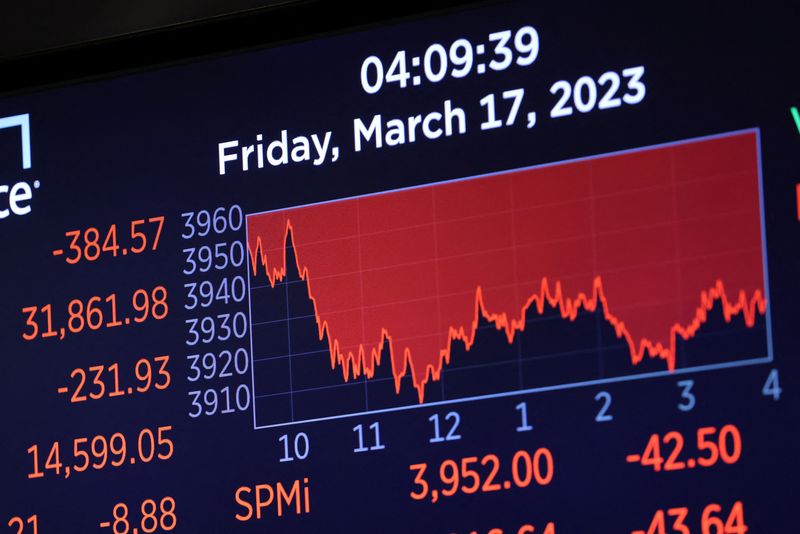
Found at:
[504, 269]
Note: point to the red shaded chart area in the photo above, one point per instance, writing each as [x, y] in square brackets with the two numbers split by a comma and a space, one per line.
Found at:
[656, 237]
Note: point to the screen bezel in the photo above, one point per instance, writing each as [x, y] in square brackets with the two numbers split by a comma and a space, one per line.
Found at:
[268, 27]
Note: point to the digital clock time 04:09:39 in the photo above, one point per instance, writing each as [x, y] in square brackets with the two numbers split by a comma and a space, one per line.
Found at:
[458, 60]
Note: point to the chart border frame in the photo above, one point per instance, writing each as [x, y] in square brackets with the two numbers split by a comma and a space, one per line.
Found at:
[558, 387]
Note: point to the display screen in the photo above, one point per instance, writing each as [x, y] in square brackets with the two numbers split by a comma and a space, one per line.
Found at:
[506, 269]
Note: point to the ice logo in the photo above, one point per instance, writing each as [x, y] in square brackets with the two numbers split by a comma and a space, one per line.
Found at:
[15, 199]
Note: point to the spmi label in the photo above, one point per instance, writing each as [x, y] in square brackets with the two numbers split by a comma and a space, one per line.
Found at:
[257, 500]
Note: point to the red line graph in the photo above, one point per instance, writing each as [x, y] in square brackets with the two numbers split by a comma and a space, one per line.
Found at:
[656, 237]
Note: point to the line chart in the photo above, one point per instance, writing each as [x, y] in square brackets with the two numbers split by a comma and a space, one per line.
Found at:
[619, 266]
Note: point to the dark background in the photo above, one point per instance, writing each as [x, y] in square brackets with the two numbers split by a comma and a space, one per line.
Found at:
[142, 144]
